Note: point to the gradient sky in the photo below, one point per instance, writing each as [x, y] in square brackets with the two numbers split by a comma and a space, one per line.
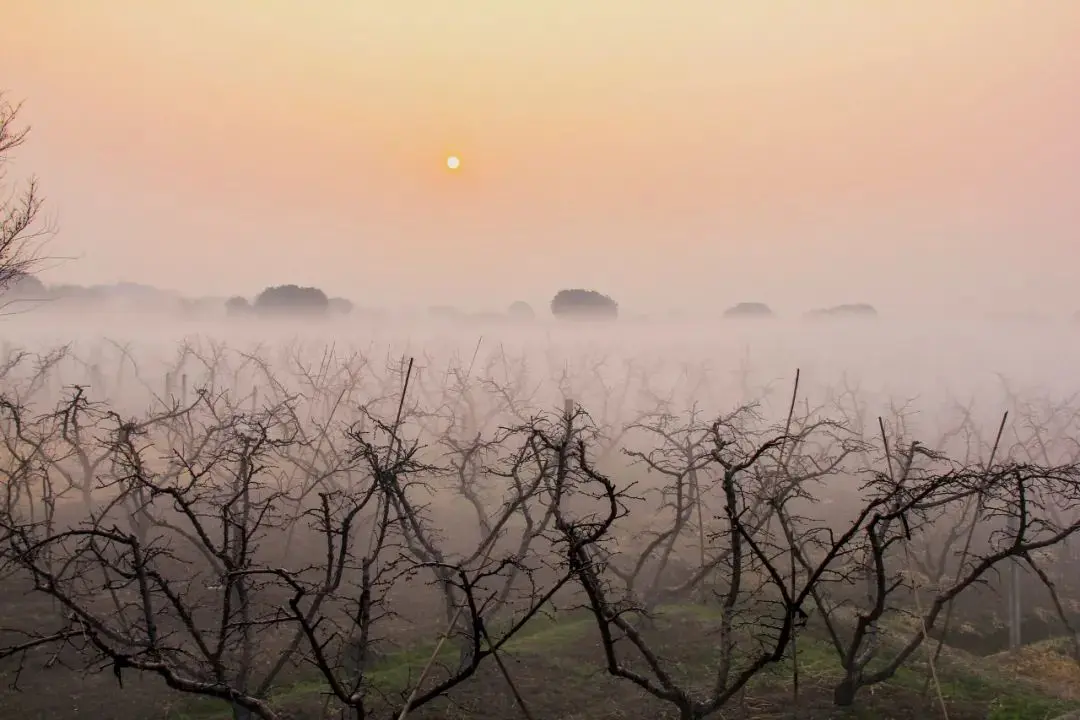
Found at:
[671, 154]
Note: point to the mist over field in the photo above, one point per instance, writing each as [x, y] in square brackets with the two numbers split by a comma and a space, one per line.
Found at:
[294, 506]
[552, 360]
[928, 362]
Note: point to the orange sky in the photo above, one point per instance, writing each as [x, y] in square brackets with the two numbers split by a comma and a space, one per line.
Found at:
[668, 153]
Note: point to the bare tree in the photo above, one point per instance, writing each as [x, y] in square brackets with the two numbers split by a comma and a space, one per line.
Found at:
[920, 490]
[177, 569]
[172, 595]
[22, 231]
[760, 603]
[474, 585]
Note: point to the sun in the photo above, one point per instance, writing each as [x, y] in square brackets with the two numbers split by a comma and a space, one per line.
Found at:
[453, 162]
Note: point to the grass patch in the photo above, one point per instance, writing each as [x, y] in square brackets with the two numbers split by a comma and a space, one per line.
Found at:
[989, 688]
[543, 635]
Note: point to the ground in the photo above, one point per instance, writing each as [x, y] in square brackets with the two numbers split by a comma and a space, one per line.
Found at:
[557, 667]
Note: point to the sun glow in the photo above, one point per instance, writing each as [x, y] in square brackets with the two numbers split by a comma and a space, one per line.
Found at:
[453, 162]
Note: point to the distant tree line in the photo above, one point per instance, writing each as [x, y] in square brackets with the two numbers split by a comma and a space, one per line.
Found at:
[574, 304]
[578, 304]
[26, 287]
[282, 300]
[291, 299]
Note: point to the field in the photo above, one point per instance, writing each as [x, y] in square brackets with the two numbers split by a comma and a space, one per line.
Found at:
[751, 520]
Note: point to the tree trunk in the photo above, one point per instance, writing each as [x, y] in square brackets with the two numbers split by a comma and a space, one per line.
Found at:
[844, 693]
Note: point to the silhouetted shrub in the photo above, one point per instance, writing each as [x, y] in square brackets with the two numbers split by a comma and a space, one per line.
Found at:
[851, 310]
[291, 299]
[75, 292]
[237, 305]
[24, 285]
[583, 304]
[521, 311]
[753, 310]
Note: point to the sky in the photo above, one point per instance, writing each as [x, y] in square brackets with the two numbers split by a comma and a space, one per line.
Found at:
[918, 155]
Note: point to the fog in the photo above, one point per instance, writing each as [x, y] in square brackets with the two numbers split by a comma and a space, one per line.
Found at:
[928, 367]
[279, 504]
[729, 370]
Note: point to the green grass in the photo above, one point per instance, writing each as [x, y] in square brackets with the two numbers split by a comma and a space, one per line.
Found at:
[543, 635]
[964, 679]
